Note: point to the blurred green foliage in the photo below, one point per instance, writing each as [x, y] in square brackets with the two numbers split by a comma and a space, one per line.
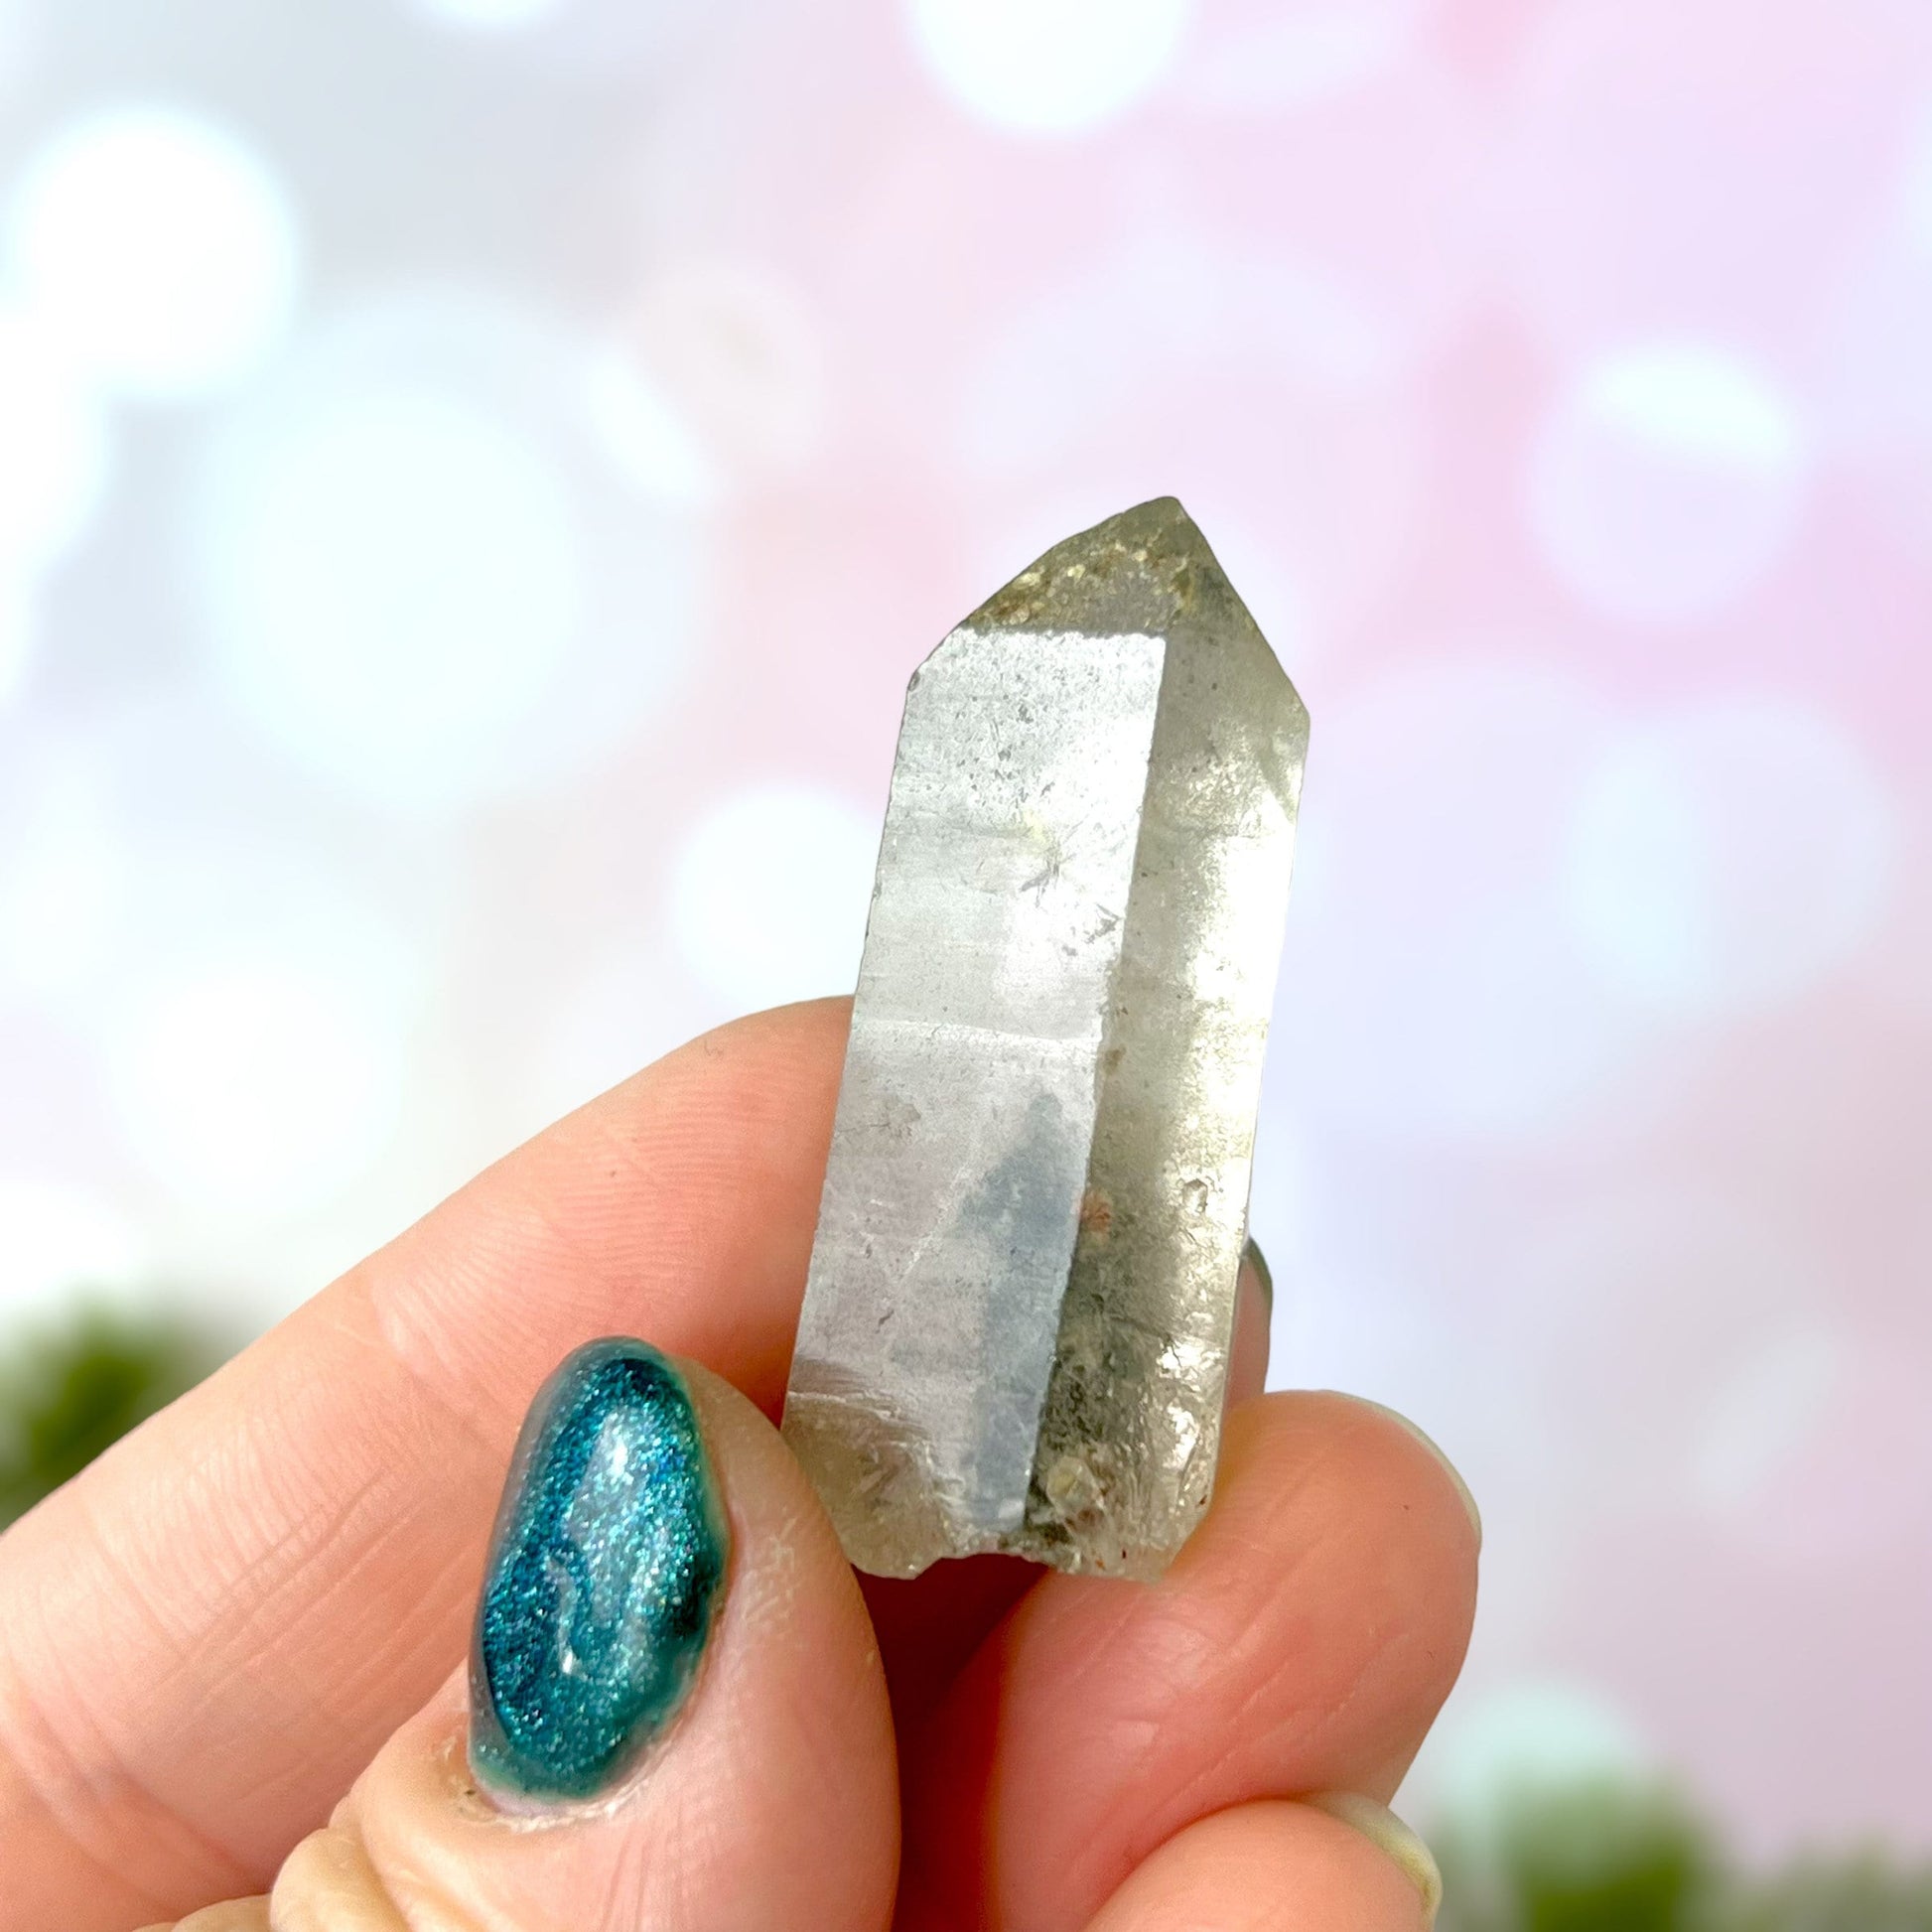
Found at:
[1588, 1857]
[69, 1386]
[1612, 1857]
[1866, 1892]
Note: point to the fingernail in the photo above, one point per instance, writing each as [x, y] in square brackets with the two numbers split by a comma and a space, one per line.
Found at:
[1383, 1829]
[1259, 1262]
[604, 1575]
[1435, 1449]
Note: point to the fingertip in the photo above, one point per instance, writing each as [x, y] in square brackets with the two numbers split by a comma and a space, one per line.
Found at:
[327, 1884]
[348, 1461]
[1303, 1640]
[1415, 1431]
[1264, 1865]
[767, 1797]
[771, 1044]
[1399, 1842]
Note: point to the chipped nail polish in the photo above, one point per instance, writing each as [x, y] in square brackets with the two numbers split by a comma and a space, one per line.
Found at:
[604, 1575]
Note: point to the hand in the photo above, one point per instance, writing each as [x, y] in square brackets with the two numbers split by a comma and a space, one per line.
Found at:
[251, 1616]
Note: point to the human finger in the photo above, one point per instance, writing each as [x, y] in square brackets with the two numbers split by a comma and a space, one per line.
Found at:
[204, 1637]
[1344, 1863]
[1302, 1642]
[673, 1716]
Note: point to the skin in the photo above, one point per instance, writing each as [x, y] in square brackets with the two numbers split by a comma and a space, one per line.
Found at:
[231, 1651]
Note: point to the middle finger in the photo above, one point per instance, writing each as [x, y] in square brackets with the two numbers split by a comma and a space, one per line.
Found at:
[1302, 1641]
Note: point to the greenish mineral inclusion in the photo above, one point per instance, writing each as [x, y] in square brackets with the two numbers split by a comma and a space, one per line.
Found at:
[1017, 1323]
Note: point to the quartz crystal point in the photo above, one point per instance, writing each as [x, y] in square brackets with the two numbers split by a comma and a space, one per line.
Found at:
[1017, 1323]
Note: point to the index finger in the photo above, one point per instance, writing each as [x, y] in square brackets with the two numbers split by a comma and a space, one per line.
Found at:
[206, 1636]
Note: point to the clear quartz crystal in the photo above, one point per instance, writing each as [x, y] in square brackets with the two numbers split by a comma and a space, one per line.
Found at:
[1017, 1318]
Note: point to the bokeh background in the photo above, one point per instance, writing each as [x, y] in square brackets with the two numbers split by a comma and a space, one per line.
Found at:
[476, 475]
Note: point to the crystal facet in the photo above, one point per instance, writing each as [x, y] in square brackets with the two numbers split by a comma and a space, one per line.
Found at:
[1017, 1323]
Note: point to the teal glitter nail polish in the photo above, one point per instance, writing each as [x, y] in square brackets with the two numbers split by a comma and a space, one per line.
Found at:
[604, 1575]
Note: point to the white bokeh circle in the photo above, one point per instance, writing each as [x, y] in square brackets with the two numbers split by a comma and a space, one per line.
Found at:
[406, 573]
[1723, 858]
[1048, 67]
[427, 581]
[769, 894]
[255, 1086]
[64, 1241]
[250, 1013]
[260, 1070]
[1665, 481]
[160, 247]
[1534, 1734]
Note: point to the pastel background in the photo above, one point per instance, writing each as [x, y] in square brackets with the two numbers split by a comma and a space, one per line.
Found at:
[476, 475]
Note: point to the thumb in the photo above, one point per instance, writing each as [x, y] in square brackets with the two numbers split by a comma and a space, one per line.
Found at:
[674, 1716]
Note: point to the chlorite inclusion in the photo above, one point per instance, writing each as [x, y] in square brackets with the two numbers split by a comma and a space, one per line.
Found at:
[1016, 1322]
